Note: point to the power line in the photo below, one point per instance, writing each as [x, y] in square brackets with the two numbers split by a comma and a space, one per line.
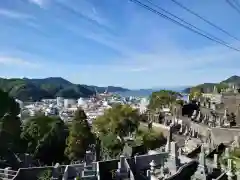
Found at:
[182, 25]
[182, 20]
[233, 6]
[204, 19]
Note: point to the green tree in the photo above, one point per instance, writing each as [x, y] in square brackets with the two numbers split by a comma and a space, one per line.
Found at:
[80, 137]
[195, 93]
[180, 102]
[221, 86]
[120, 120]
[45, 175]
[153, 140]
[111, 145]
[45, 138]
[8, 105]
[10, 124]
[163, 97]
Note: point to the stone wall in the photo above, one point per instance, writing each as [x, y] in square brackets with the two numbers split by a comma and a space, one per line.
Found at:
[31, 173]
[142, 162]
[224, 135]
[218, 135]
[185, 172]
[164, 129]
[200, 128]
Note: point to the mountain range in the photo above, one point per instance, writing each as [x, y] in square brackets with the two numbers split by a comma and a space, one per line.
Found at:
[36, 89]
[206, 87]
[27, 89]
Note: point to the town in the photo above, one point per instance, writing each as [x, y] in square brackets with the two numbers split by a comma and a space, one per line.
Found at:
[119, 90]
[164, 137]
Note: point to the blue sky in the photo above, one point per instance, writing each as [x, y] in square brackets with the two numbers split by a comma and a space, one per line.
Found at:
[115, 42]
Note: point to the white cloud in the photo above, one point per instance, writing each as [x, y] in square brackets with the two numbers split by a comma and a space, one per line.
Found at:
[40, 3]
[87, 10]
[140, 69]
[163, 53]
[18, 62]
[14, 14]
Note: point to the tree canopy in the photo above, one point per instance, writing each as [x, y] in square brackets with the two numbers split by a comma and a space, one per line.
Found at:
[111, 145]
[195, 93]
[120, 120]
[45, 138]
[8, 105]
[113, 126]
[163, 97]
[80, 137]
[36, 89]
[153, 140]
[209, 87]
[10, 124]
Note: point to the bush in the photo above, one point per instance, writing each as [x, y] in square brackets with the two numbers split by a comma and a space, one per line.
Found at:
[45, 175]
[153, 140]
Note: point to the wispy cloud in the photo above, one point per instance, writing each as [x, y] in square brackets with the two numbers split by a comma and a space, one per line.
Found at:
[166, 56]
[85, 9]
[40, 3]
[18, 62]
[14, 14]
[94, 15]
[140, 69]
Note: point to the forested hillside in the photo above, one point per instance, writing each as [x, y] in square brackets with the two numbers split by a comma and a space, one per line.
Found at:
[35, 89]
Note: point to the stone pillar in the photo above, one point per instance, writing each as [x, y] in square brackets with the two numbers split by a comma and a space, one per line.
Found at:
[180, 151]
[174, 155]
[181, 129]
[148, 174]
[65, 175]
[236, 141]
[209, 105]
[89, 158]
[7, 173]
[202, 160]
[230, 172]
[174, 149]
[213, 106]
[216, 162]
[152, 167]
[202, 170]
[122, 171]
[169, 139]
[122, 161]
[227, 153]
[193, 133]
[186, 131]
[225, 113]
[56, 172]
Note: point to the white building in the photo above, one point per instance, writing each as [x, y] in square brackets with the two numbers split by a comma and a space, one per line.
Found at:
[143, 105]
[60, 101]
[81, 102]
[69, 103]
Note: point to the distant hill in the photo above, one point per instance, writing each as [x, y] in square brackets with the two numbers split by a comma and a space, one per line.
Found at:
[36, 89]
[233, 79]
[208, 87]
[148, 92]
